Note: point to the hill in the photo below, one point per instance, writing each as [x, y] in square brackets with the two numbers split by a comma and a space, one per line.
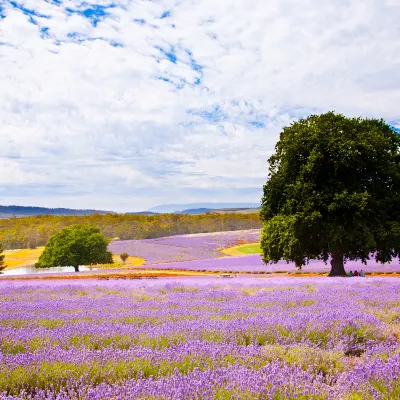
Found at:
[185, 208]
[21, 211]
[193, 211]
[31, 232]
[238, 210]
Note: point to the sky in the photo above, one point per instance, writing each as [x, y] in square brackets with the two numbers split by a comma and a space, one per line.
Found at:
[125, 105]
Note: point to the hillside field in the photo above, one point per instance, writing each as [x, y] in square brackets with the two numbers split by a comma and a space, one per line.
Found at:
[32, 232]
[217, 252]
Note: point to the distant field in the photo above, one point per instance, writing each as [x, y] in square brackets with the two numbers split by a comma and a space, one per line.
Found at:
[22, 258]
[130, 262]
[28, 257]
[182, 248]
[253, 248]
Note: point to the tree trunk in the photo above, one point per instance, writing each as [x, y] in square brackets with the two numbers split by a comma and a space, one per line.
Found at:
[76, 268]
[337, 265]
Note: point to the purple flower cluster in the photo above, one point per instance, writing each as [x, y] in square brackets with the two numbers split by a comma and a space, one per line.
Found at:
[184, 247]
[200, 339]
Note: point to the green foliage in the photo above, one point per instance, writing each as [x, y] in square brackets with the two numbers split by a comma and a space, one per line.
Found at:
[250, 248]
[74, 246]
[2, 256]
[18, 233]
[333, 189]
[309, 358]
[124, 257]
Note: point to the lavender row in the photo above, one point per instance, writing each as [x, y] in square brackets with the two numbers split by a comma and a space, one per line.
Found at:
[270, 382]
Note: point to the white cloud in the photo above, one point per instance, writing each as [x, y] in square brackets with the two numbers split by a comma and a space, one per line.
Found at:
[191, 105]
[11, 173]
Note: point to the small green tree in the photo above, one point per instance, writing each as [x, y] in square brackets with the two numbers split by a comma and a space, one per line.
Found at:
[2, 257]
[333, 191]
[124, 257]
[74, 246]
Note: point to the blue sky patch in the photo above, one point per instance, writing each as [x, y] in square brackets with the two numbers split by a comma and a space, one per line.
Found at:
[257, 124]
[76, 37]
[233, 112]
[165, 14]
[395, 125]
[95, 13]
[140, 21]
[176, 82]
[162, 78]
[195, 67]
[73, 35]
[44, 33]
[33, 21]
[214, 115]
[114, 43]
[169, 54]
[26, 11]
[395, 129]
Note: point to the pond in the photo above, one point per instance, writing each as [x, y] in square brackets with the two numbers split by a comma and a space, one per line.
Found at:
[32, 270]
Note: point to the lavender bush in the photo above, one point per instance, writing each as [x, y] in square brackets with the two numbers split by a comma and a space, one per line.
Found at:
[200, 339]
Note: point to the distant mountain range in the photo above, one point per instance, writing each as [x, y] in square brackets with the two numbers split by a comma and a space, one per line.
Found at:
[197, 208]
[239, 210]
[20, 211]
[172, 208]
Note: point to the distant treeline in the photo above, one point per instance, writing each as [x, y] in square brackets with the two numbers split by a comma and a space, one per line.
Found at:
[30, 232]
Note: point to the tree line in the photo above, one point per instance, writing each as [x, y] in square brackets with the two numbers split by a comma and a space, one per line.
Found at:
[31, 232]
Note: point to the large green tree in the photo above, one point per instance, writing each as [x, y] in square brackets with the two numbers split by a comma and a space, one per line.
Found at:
[333, 192]
[74, 246]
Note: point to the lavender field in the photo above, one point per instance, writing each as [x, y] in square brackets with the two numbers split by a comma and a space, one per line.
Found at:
[253, 264]
[200, 252]
[184, 247]
[203, 339]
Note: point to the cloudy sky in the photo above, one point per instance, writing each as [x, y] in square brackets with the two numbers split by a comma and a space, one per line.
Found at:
[128, 104]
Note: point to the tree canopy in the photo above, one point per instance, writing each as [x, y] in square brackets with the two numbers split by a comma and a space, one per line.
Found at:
[124, 257]
[74, 246]
[333, 191]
